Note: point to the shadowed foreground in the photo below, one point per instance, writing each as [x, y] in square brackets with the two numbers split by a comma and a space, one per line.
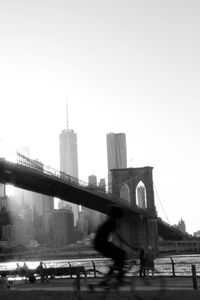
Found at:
[179, 288]
[121, 295]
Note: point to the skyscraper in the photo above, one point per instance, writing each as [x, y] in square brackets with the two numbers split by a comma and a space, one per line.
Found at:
[68, 152]
[92, 180]
[24, 197]
[41, 202]
[62, 227]
[2, 190]
[69, 160]
[36, 202]
[116, 151]
[3, 197]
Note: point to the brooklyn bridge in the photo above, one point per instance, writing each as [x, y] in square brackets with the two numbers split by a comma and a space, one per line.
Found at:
[141, 226]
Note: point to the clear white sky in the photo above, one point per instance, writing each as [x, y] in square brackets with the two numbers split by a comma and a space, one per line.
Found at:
[125, 66]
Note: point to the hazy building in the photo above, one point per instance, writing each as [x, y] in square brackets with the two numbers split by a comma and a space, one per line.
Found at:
[69, 160]
[197, 234]
[23, 197]
[7, 233]
[69, 153]
[102, 185]
[2, 190]
[3, 197]
[90, 219]
[141, 196]
[62, 224]
[12, 205]
[181, 226]
[81, 225]
[92, 183]
[42, 203]
[116, 154]
[42, 227]
[47, 230]
[116, 151]
[37, 205]
[92, 180]
[65, 205]
[22, 231]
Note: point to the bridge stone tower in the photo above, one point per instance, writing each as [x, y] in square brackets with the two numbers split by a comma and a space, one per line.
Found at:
[139, 228]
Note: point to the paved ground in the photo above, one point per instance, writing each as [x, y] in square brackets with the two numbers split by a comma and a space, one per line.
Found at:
[169, 283]
[62, 289]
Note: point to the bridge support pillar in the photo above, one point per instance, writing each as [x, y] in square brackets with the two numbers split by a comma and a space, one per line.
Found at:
[128, 232]
[152, 234]
[140, 232]
[140, 228]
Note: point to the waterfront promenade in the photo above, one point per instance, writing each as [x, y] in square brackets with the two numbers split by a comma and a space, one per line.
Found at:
[60, 289]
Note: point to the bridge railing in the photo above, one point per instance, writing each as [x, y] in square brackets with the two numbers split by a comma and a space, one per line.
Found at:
[170, 266]
[48, 170]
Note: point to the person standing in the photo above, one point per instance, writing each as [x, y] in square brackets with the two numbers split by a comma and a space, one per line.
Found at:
[4, 284]
[40, 270]
[149, 261]
[142, 271]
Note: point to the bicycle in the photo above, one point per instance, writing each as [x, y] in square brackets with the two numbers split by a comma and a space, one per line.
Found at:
[109, 285]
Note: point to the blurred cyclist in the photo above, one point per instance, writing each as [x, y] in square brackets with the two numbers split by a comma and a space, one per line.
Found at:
[104, 245]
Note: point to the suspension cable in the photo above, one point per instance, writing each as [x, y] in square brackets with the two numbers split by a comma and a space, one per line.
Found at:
[161, 204]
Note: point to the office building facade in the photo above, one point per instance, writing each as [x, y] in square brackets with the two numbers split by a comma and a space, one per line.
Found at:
[3, 197]
[116, 154]
[69, 161]
[68, 153]
[2, 190]
[116, 151]
[62, 224]
[92, 180]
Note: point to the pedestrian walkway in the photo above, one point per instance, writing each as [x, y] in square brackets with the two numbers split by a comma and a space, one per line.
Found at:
[177, 283]
[180, 288]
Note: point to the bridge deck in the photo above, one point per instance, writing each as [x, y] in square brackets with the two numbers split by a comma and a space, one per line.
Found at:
[56, 186]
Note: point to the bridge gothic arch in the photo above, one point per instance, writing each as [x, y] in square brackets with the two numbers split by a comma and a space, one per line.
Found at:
[133, 178]
[139, 228]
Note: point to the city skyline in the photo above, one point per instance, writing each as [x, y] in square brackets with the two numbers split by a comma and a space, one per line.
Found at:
[131, 67]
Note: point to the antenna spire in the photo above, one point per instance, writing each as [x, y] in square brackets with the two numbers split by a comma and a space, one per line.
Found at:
[67, 119]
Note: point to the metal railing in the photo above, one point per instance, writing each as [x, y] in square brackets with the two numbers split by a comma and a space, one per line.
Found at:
[170, 266]
[39, 168]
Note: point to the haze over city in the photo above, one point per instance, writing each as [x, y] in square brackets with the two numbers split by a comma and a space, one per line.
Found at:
[129, 67]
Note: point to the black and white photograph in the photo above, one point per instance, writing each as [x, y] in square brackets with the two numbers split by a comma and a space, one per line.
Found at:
[99, 149]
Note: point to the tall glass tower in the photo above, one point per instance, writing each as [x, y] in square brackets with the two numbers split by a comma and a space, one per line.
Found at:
[69, 161]
[116, 151]
[69, 153]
